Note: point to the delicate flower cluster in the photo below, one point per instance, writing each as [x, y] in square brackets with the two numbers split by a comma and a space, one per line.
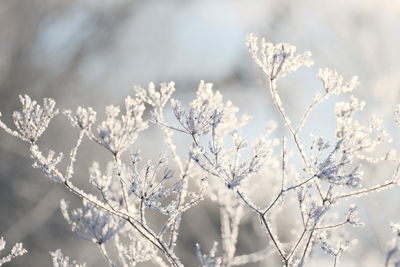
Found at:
[59, 260]
[333, 82]
[138, 250]
[207, 112]
[91, 223]
[33, 120]
[118, 134]
[276, 60]
[151, 189]
[83, 118]
[157, 99]
[354, 138]
[17, 250]
[336, 168]
[111, 182]
[227, 164]
[210, 117]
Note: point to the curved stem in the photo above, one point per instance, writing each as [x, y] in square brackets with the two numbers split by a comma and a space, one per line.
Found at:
[103, 251]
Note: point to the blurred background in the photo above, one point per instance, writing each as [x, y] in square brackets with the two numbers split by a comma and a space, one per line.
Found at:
[91, 53]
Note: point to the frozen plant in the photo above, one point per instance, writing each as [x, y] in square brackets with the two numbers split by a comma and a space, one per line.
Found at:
[221, 165]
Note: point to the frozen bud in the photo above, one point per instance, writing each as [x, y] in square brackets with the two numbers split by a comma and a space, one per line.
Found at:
[334, 83]
[83, 118]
